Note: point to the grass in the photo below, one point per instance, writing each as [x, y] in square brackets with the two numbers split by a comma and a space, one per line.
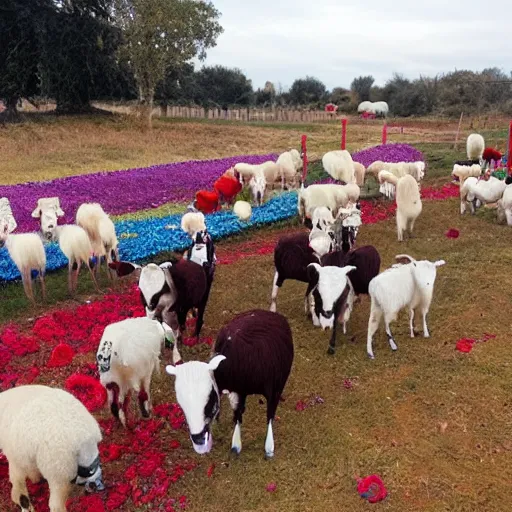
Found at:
[434, 423]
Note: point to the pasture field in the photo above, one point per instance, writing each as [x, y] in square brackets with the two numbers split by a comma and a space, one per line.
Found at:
[434, 423]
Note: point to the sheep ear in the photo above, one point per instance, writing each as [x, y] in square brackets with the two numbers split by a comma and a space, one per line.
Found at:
[313, 274]
[348, 268]
[404, 258]
[214, 363]
[37, 213]
[123, 268]
[439, 263]
[171, 370]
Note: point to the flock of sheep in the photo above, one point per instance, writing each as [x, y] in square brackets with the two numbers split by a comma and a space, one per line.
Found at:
[253, 353]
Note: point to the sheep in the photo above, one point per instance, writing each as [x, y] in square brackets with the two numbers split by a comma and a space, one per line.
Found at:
[243, 210]
[27, 252]
[410, 284]
[127, 356]
[253, 354]
[101, 231]
[380, 108]
[333, 295]
[505, 206]
[292, 255]
[322, 218]
[408, 205]
[321, 241]
[47, 203]
[73, 242]
[360, 172]
[400, 169]
[464, 171]
[169, 291]
[339, 165]
[388, 182]
[329, 195]
[192, 222]
[48, 433]
[289, 163]
[475, 191]
[475, 146]
[375, 167]
[364, 106]
[271, 171]
[257, 186]
[346, 227]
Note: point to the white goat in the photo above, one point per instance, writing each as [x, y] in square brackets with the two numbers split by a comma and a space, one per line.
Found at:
[27, 252]
[410, 284]
[408, 205]
[339, 165]
[463, 172]
[128, 354]
[101, 231]
[360, 172]
[257, 186]
[475, 146]
[505, 206]
[289, 164]
[332, 196]
[475, 192]
[388, 182]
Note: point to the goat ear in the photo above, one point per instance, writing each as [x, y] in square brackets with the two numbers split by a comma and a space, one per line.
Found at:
[123, 268]
[37, 213]
[171, 370]
[214, 363]
[59, 212]
[313, 274]
[404, 258]
[439, 263]
[348, 268]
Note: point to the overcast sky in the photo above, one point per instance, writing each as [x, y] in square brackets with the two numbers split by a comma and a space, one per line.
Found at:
[335, 41]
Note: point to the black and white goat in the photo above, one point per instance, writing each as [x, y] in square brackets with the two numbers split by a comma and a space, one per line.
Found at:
[334, 295]
[253, 356]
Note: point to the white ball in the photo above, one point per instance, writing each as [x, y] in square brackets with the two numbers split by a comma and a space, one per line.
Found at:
[243, 210]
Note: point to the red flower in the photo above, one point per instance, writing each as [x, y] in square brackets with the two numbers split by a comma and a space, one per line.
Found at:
[487, 336]
[372, 488]
[174, 444]
[452, 233]
[62, 355]
[271, 487]
[465, 345]
[209, 471]
[172, 413]
[300, 405]
[5, 357]
[111, 452]
[86, 503]
[48, 330]
[88, 390]
[118, 496]
[30, 376]
[149, 462]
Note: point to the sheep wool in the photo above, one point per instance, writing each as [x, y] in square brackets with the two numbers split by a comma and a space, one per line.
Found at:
[243, 210]
[339, 165]
[192, 222]
[360, 171]
[504, 212]
[408, 205]
[48, 433]
[475, 146]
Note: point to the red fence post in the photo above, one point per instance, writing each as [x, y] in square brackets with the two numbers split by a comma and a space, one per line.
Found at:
[304, 158]
[509, 152]
[343, 133]
[384, 133]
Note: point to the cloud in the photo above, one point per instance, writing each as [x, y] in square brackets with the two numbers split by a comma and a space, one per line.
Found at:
[337, 41]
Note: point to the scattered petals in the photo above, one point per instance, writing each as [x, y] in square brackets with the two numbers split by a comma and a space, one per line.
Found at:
[465, 345]
[88, 390]
[210, 470]
[372, 488]
[62, 355]
[452, 233]
[271, 487]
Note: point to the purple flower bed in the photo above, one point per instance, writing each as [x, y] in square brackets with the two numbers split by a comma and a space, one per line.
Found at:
[121, 191]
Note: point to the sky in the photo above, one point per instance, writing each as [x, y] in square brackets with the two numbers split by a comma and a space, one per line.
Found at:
[335, 41]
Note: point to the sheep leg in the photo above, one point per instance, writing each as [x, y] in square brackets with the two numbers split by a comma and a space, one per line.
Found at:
[59, 493]
[307, 299]
[275, 291]
[424, 312]
[93, 277]
[271, 412]
[19, 492]
[373, 325]
[113, 399]
[411, 322]
[26, 277]
[144, 399]
[391, 339]
[108, 259]
[202, 307]
[43, 284]
[239, 409]
[400, 228]
[411, 227]
[70, 278]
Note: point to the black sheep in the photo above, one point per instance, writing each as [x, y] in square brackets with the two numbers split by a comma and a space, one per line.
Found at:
[253, 356]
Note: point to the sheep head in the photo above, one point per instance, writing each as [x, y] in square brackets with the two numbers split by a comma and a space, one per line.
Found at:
[424, 272]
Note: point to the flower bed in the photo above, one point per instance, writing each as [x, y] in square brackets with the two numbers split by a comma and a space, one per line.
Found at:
[121, 191]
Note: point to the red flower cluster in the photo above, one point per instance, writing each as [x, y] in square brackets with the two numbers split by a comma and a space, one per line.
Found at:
[304, 404]
[445, 192]
[62, 355]
[172, 413]
[372, 488]
[452, 233]
[88, 390]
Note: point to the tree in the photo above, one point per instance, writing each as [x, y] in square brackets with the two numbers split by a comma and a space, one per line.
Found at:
[362, 86]
[307, 90]
[223, 87]
[178, 86]
[161, 34]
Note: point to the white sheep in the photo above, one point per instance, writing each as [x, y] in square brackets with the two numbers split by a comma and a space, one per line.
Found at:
[73, 242]
[388, 182]
[475, 191]
[321, 242]
[27, 252]
[463, 172]
[48, 433]
[128, 354]
[375, 167]
[339, 165]
[364, 106]
[360, 172]
[243, 210]
[353, 192]
[408, 284]
[475, 146]
[288, 164]
[101, 231]
[505, 206]
[332, 196]
[322, 218]
[408, 205]
[257, 186]
[192, 222]
[400, 169]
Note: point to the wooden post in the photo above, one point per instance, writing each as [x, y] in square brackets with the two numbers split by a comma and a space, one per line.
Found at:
[304, 158]
[344, 133]
[458, 131]
[384, 133]
[509, 149]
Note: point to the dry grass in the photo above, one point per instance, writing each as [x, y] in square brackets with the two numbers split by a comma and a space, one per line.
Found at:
[48, 147]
